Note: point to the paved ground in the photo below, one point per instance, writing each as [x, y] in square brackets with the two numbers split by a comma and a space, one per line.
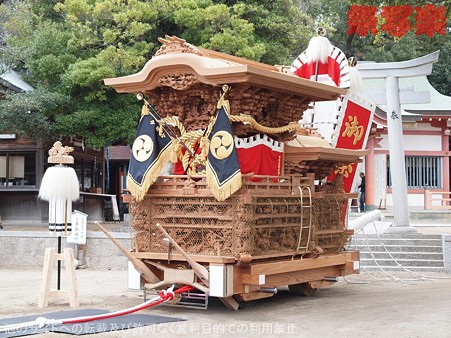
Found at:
[400, 305]
[403, 305]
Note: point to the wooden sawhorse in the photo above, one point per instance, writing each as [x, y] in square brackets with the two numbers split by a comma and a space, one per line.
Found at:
[50, 257]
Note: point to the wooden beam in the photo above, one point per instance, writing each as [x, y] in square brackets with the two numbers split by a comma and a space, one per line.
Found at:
[295, 277]
[320, 284]
[253, 296]
[230, 303]
[178, 257]
[301, 264]
[304, 276]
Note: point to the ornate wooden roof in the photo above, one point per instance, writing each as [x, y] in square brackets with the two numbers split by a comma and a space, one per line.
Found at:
[179, 65]
[183, 80]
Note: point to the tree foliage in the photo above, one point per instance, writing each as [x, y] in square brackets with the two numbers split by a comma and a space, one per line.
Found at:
[16, 115]
[66, 48]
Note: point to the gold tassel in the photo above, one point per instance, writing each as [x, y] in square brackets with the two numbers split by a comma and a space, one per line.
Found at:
[175, 151]
[227, 190]
[140, 191]
[204, 145]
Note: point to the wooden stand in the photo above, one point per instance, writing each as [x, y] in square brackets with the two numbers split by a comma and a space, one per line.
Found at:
[354, 204]
[50, 257]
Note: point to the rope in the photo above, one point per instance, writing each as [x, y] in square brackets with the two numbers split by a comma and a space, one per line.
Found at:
[173, 121]
[263, 129]
[195, 136]
[41, 322]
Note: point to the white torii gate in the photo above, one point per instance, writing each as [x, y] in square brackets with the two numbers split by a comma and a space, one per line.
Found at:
[393, 98]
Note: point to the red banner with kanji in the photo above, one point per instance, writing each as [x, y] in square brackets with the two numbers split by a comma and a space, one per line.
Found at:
[353, 134]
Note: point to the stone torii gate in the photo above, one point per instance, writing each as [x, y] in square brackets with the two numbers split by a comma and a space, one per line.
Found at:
[392, 97]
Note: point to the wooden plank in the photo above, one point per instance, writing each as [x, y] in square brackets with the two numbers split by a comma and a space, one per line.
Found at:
[321, 283]
[178, 257]
[293, 277]
[57, 256]
[46, 277]
[196, 225]
[69, 261]
[288, 253]
[348, 269]
[250, 279]
[355, 255]
[303, 276]
[253, 296]
[57, 293]
[300, 264]
[326, 232]
[195, 216]
[238, 285]
[221, 259]
[230, 303]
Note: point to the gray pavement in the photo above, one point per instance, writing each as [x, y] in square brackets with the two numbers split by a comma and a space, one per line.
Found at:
[377, 305]
[397, 305]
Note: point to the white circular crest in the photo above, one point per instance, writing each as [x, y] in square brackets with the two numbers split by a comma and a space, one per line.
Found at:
[142, 148]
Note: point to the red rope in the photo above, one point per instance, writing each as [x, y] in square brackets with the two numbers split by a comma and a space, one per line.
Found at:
[164, 296]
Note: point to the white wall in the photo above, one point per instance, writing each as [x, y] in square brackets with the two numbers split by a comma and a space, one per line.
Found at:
[417, 142]
[413, 200]
[420, 143]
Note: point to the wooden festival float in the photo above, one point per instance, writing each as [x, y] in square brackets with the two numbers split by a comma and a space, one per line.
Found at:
[281, 227]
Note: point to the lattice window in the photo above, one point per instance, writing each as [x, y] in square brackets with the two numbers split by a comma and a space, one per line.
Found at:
[421, 172]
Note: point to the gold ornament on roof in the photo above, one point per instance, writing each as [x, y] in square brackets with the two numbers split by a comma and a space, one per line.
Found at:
[352, 61]
[174, 44]
[321, 31]
[222, 101]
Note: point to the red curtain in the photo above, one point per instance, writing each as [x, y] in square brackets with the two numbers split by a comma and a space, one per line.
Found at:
[259, 155]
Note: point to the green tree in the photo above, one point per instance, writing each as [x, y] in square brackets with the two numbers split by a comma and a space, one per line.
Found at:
[66, 48]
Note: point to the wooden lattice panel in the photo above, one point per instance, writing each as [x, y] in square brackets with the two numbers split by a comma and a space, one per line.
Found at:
[262, 219]
[202, 225]
[328, 219]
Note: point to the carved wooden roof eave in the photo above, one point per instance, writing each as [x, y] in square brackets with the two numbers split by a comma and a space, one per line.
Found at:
[217, 72]
[338, 155]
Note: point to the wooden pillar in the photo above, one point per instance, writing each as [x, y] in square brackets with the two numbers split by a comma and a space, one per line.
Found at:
[446, 169]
